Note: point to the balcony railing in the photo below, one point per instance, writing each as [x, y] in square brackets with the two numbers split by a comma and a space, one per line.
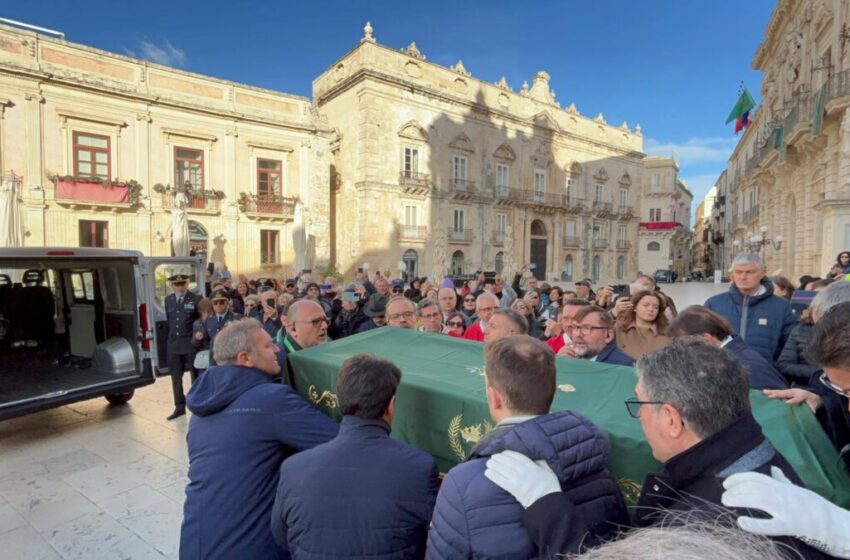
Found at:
[602, 207]
[573, 203]
[414, 178]
[751, 214]
[207, 202]
[463, 185]
[498, 237]
[460, 235]
[623, 245]
[72, 191]
[503, 191]
[625, 212]
[417, 233]
[268, 205]
[572, 241]
[544, 198]
[600, 243]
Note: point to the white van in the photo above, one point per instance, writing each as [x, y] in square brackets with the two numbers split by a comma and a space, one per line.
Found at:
[78, 323]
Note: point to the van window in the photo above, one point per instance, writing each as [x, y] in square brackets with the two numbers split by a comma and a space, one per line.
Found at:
[83, 284]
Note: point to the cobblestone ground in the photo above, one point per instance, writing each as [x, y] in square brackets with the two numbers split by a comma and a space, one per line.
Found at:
[91, 481]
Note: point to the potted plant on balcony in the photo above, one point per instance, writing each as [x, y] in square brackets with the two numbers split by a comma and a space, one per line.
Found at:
[96, 189]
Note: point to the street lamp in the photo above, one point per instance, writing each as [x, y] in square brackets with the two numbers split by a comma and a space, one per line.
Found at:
[759, 240]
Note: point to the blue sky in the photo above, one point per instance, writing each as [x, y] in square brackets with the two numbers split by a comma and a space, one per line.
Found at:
[671, 65]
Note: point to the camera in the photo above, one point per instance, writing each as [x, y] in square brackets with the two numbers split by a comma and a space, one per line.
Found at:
[622, 290]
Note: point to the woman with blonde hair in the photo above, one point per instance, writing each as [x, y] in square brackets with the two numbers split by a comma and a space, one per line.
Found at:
[643, 328]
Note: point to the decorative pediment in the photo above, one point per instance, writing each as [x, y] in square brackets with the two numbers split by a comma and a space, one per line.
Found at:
[625, 180]
[540, 89]
[574, 168]
[544, 120]
[460, 69]
[413, 51]
[572, 109]
[462, 143]
[504, 153]
[543, 157]
[503, 84]
[412, 130]
[601, 175]
[600, 119]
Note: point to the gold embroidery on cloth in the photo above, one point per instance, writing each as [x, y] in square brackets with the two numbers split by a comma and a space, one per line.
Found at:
[630, 488]
[326, 397]
[566, 388]
[470, 434]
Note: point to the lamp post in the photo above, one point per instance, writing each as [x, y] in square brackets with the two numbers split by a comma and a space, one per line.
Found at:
[759, 241]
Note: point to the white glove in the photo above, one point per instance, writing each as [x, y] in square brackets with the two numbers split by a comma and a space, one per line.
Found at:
[522, 478]
[796, 512]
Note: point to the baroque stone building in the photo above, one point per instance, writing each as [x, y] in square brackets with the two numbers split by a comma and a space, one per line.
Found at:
[99, 141]
[398, 162]
[786, 189]
[665, 218]
[437, 171]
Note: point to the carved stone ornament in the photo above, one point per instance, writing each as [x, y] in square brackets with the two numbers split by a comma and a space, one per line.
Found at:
[524, 90]
[625, 180]
[503, 84]
[600, 119]
[461, 86]
[540, 89]
[413, 51]
[505, 153]
[572, 109]
[504, 101]
[544, 120]
[625, 127]
[793, 56]
[413, 69]
[367, 33]
[601, 175]
[462, 143]
[460, 69]
[412, 130]
[575, 168]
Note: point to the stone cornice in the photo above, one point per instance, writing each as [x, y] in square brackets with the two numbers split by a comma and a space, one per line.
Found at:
[771, 35]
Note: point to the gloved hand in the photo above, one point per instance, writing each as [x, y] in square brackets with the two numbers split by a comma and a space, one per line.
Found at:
[796, 512]
[522, 478]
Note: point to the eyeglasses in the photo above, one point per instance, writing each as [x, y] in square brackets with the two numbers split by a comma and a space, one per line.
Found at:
[220, 302]
[585, 329]
[633, 406]
[317, 322]
[397, 316]
[824, 379]
[398, 290]
[472, 299]
[488, 308]
[455, 324]
[250, 305]
[431, 315]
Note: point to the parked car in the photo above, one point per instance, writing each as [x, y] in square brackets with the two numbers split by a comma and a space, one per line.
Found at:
[80, 323]
[666, 276]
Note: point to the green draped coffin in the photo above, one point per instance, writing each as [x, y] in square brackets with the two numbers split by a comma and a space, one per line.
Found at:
[441, 405]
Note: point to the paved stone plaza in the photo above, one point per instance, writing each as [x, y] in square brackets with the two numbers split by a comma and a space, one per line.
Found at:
[91, 481]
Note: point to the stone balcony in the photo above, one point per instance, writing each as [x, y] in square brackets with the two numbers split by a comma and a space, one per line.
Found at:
[198, 204]
[571, 241]
[625, 212]
[602, 209]
[462, 188]
[412, 233]
[460, 236]
[574, 204]
[600, 243]
[751, 214]
[268, 207]
[498, 238]
[413, 182]
[623, 245]
[92, 195]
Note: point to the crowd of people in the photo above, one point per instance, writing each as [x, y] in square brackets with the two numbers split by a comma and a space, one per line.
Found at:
[271, 477]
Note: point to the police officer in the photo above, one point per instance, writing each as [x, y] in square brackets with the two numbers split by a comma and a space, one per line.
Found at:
[220, 317]
[181, 308]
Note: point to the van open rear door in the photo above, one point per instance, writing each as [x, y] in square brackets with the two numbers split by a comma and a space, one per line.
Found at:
[154, 274]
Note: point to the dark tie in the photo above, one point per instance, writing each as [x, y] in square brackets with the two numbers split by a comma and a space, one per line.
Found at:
[220, 320]
[179, 301]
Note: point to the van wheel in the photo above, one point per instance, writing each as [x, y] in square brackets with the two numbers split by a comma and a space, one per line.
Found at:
[120, 398]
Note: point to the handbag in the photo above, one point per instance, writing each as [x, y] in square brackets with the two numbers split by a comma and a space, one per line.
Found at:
[202, 360]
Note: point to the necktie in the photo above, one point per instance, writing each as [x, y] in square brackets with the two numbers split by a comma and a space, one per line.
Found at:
[220, 320]
[179, 301]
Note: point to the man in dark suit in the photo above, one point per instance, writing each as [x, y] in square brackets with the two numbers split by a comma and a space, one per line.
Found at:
[181, 309]
[220, 317]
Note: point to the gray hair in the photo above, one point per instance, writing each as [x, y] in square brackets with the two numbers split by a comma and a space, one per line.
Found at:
[253, 298]
[236, 337]
[705, 383]
[713, 538]
[517, 320]
[427, 302]
[832, 295]
[294, 306]
[485, 296]
[748, 258]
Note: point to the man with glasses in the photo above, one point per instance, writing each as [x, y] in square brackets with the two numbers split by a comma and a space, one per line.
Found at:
[396, 288]
[485, 305]
[593, 338]
[561, 344]
[692, 400]
[432, 319]
[306, 326]
[401, 313]
[220, 317]
[291, 287]
[762, 319]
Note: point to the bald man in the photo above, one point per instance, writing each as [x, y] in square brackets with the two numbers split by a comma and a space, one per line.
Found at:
[306, 326]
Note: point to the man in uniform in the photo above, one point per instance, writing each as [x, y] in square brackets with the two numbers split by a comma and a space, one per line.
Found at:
[181, 309]
[220, 317]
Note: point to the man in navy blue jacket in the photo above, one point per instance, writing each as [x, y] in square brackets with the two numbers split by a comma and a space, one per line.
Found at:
[474, 518]
[762, 319]
[244, 426]
[361, 495]
[593, 337]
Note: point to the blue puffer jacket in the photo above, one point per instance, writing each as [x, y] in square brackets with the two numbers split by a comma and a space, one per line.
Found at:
[763, 321]
[244, 426]
[361, 495]
[474, 518]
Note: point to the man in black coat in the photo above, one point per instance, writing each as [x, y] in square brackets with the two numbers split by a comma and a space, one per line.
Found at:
[220, 317]
[692, 400]
[181, 309]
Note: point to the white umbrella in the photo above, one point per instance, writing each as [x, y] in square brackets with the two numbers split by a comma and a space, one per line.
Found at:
[180, 225]
[11, 221]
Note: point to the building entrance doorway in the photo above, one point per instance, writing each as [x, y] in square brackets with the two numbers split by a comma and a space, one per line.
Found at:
[538, 249]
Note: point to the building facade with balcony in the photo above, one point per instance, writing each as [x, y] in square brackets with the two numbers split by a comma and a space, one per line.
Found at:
[102, 142]
[665, 235]
[703, 258]
[447, 173]
[788, 178]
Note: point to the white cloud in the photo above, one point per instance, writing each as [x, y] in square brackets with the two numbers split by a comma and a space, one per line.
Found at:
[695, 150]
[164, 53]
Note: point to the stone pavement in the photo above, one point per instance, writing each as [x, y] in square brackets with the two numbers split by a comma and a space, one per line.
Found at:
[91, 481]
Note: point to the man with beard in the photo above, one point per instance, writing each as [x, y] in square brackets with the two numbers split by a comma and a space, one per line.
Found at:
[592, 334]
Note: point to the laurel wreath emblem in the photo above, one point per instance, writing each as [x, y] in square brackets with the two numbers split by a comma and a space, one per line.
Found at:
[459, 434]
[326, 397]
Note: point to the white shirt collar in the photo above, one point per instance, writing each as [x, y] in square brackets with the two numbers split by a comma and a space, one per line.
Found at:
[725, 342]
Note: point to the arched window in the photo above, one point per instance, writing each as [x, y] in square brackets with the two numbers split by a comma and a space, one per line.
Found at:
[653, 246]
[596, 267]
[567, 273]
[500, 262]
[411, 261]
[198, 241]
[457, 263]
[538, 229]
[621, 267]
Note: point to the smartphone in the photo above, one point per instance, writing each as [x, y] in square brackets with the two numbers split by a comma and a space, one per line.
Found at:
[532, 266]
[350, 296]
[325, 287]
[270, 302]
[622, 290]
[360, 270]
[307, 271]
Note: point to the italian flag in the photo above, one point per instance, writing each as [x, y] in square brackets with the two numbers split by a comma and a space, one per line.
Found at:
[741, 111]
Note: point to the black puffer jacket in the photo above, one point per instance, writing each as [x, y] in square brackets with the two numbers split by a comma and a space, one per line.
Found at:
[792, 362]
